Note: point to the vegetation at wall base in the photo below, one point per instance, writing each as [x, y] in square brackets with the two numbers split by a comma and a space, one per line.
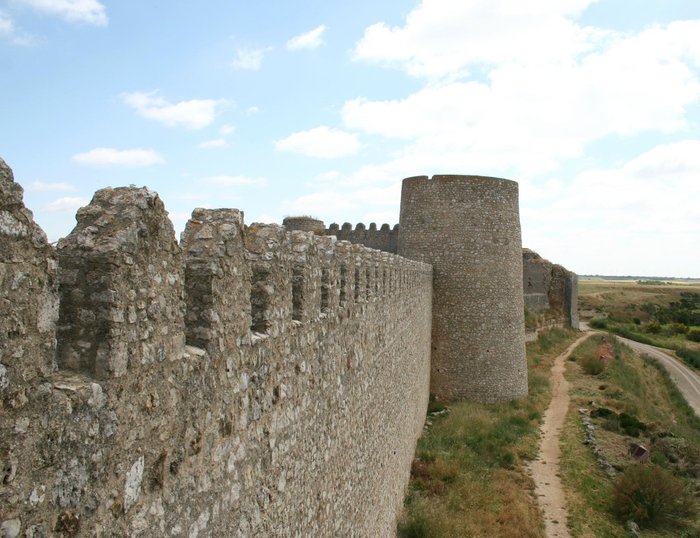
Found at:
[633, 400]
[468, 478]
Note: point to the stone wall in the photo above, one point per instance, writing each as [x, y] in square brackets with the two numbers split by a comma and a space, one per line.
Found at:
[551, 289]
[292, 409]
[468, 228]
[384, 238]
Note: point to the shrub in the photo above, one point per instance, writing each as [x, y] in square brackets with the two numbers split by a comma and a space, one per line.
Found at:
[679, 328]
[631, 425]
[592, 365]
[651, 496]
[652, 327]
[693, 334]
[689, 356]
[599, 323]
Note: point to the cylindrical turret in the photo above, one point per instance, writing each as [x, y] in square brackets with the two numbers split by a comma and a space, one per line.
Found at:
[468, 228]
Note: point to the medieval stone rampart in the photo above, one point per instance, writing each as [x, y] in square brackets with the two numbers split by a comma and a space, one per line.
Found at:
[246, 382]
[468, 228]
[384, 238]
[550, 288]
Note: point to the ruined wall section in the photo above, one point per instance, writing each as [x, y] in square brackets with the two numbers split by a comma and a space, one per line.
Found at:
[551, 289]
[468, 228]
[287, 427]
[385, 238]
[28, 296]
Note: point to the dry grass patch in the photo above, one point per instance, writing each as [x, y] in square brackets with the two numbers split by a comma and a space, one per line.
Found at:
[469, 478]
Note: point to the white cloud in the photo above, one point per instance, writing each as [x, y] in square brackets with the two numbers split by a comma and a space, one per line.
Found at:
[323, 142]
[132, 158]
[215, 143]
[41, 186]
[248, 58]
[234, 181]
[308, 40]
[227, 129]
[330, 205]
[443, 37]
[66, 204]
[9, 31]
[633, 218]
[193, 114]
[252, 110]
[84, 11]
[527, 116]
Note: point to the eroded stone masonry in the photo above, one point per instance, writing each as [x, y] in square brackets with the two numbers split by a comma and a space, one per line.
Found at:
[257, 380]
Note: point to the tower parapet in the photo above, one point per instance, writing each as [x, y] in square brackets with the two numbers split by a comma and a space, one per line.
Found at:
[468, 228]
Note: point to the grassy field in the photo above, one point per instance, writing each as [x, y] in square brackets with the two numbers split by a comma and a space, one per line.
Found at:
[644, 312]
[468, 478]
[630, 400]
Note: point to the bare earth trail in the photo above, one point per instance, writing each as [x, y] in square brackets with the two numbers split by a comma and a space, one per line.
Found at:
[545, 469]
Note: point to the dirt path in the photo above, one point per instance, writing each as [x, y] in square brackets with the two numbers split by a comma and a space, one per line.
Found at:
[545, 469]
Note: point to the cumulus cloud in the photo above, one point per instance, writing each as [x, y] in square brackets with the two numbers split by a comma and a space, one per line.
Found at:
[309, 40]
[10, 32]
[524, 111]
[446, 37]
[82, 11]
[234, 181]
[193, 114]
[640, 214]
[131, 158]
[41, 186]
[66, 204]
[322, 142]
[249, 58]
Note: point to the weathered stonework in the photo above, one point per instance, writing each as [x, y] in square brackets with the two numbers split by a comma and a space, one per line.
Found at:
[468, 229]
[551, 288]
[265, 425]
[28, 298]
[385, 238]
[258, 380]
[121, 285]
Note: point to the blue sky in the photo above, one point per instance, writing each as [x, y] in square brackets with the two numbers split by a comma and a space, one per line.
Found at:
[315, 107]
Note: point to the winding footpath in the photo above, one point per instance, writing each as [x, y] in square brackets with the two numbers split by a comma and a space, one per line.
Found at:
[545, 469]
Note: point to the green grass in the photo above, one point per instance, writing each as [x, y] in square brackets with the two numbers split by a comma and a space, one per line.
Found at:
[468, 477]
[676, 343]
[633, 391]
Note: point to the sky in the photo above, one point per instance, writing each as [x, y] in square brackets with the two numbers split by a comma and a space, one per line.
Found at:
[318, 107]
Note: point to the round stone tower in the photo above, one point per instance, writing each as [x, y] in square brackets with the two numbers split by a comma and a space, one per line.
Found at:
[468, 228]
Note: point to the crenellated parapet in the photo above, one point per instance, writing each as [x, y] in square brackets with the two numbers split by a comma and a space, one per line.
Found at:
[384, 238]
[217, 281]
[121, 286]
[249, 381]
